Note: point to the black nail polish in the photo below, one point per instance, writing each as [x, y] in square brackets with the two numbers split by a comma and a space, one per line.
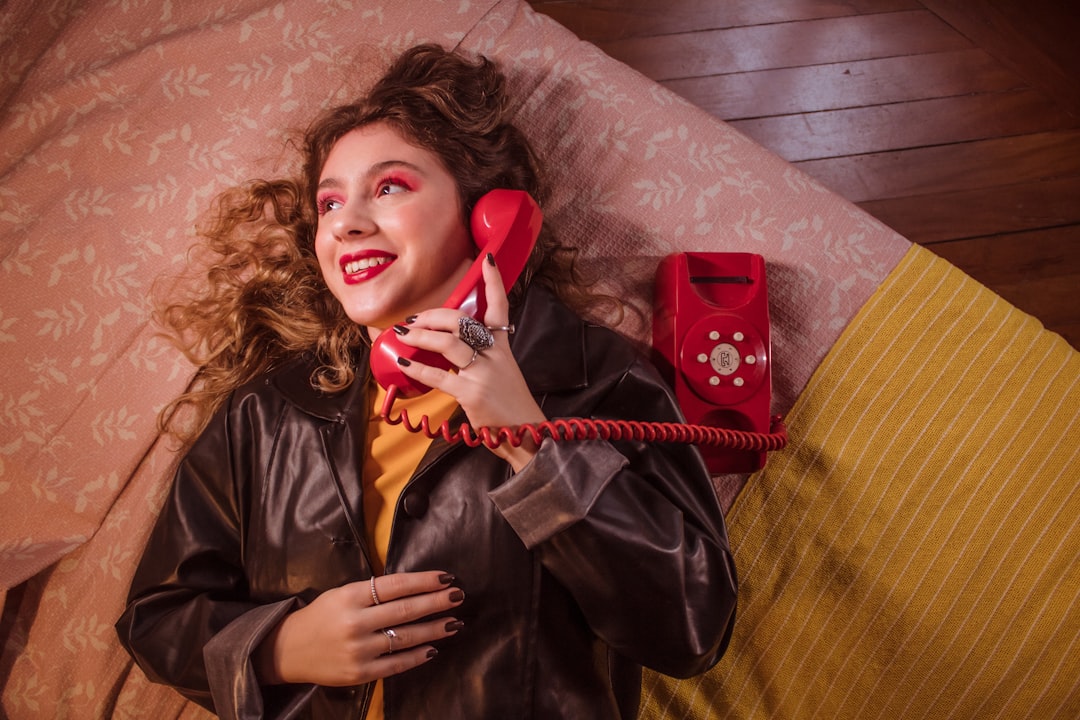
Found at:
[403, 362]
[454, 625]
[491, 259]
[401, 329]
[432, 652]
[446, 578]
[411, 319]
[457, 596]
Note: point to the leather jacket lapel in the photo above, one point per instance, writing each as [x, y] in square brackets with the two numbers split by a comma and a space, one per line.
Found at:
[551, 359]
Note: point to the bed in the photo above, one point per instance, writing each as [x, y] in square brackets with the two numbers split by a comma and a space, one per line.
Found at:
[912, 552]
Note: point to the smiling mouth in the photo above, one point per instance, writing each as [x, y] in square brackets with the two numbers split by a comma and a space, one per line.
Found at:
[355, 266]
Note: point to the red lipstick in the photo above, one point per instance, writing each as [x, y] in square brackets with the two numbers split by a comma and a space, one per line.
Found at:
[363, 266]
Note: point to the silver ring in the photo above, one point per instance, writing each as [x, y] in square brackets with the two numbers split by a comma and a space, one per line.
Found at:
[474, 333]
[508, 329]
[391, 636]
[374, 595]
[475, 353]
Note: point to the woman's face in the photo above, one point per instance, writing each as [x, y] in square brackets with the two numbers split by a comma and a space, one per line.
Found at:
[390, 239]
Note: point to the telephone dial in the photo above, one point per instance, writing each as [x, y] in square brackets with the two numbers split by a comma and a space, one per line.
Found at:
[710, 334]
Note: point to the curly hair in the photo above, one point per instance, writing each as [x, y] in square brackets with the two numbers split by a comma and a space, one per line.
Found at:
[263, 299]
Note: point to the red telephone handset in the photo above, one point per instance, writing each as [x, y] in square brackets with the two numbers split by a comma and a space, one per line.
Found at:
[504, 223]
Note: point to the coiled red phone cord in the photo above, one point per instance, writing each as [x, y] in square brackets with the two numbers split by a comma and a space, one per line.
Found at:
[572, 429]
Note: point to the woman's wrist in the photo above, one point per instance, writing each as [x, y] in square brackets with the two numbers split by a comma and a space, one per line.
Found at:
[266, 657]
[520, 456]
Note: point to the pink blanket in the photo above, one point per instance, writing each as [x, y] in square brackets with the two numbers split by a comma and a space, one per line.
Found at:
[120, 121]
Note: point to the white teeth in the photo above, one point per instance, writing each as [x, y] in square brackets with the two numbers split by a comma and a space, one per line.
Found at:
[356, 266]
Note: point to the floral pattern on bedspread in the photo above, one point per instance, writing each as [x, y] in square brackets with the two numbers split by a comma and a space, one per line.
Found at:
[121, 120]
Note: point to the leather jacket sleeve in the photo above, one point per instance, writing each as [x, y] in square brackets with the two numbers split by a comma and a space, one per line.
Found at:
[190, 618]
[634, 532]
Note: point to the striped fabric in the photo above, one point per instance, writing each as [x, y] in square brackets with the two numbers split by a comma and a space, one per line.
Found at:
[915, 551]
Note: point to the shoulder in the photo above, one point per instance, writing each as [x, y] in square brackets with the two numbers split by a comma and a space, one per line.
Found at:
[290, 385]
[560, 352]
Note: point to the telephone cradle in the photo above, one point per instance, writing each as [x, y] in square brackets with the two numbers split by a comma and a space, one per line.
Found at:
[710, 334]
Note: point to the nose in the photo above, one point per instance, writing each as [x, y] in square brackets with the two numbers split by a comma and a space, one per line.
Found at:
[352, 222]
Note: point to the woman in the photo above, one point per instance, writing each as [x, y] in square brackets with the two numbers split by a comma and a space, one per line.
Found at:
[312, 560]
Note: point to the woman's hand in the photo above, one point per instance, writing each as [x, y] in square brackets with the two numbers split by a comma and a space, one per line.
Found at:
[488, 385]
[340, 639]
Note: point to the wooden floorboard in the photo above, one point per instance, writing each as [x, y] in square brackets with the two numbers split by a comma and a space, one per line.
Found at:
[878, 128]
[956, 123]
[791, 44]
[980, 212]
[1039, 268]
[607, 20]
[948, 168]
[835, 86]
[1040, 255]
[1036, 38]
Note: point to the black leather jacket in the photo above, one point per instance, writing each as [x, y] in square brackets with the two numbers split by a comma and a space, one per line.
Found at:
[594, 560]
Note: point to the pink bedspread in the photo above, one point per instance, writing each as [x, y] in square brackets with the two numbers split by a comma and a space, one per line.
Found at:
[121, 120]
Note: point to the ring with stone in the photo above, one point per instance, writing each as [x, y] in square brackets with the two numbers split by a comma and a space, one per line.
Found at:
[391, 636]
[474, 333]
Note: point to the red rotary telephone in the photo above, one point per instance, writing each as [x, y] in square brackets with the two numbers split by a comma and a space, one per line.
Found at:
[711, 337]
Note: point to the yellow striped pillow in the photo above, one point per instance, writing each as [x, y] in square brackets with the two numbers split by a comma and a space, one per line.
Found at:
[914, 551]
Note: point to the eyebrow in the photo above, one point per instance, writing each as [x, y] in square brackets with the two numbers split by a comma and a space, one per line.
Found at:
[375, 170]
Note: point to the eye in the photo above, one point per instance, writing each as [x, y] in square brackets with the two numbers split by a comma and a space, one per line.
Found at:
[327, 204]
[392, 186]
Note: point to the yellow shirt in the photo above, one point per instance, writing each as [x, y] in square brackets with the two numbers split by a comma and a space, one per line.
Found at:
[391, 455]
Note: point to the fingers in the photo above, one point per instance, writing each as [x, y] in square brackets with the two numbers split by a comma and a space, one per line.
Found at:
[407, 637]
[406, 597]
[401, 641]
[383, 652]
[441, 331]
[409, 646]
[477, 373]
[498, 307]
[487, 383]
[438, 332]
[399, 662]
[333, 642]
[399, 585]
[344, 638]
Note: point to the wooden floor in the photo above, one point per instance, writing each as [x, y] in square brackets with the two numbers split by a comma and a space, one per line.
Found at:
[956, 122]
